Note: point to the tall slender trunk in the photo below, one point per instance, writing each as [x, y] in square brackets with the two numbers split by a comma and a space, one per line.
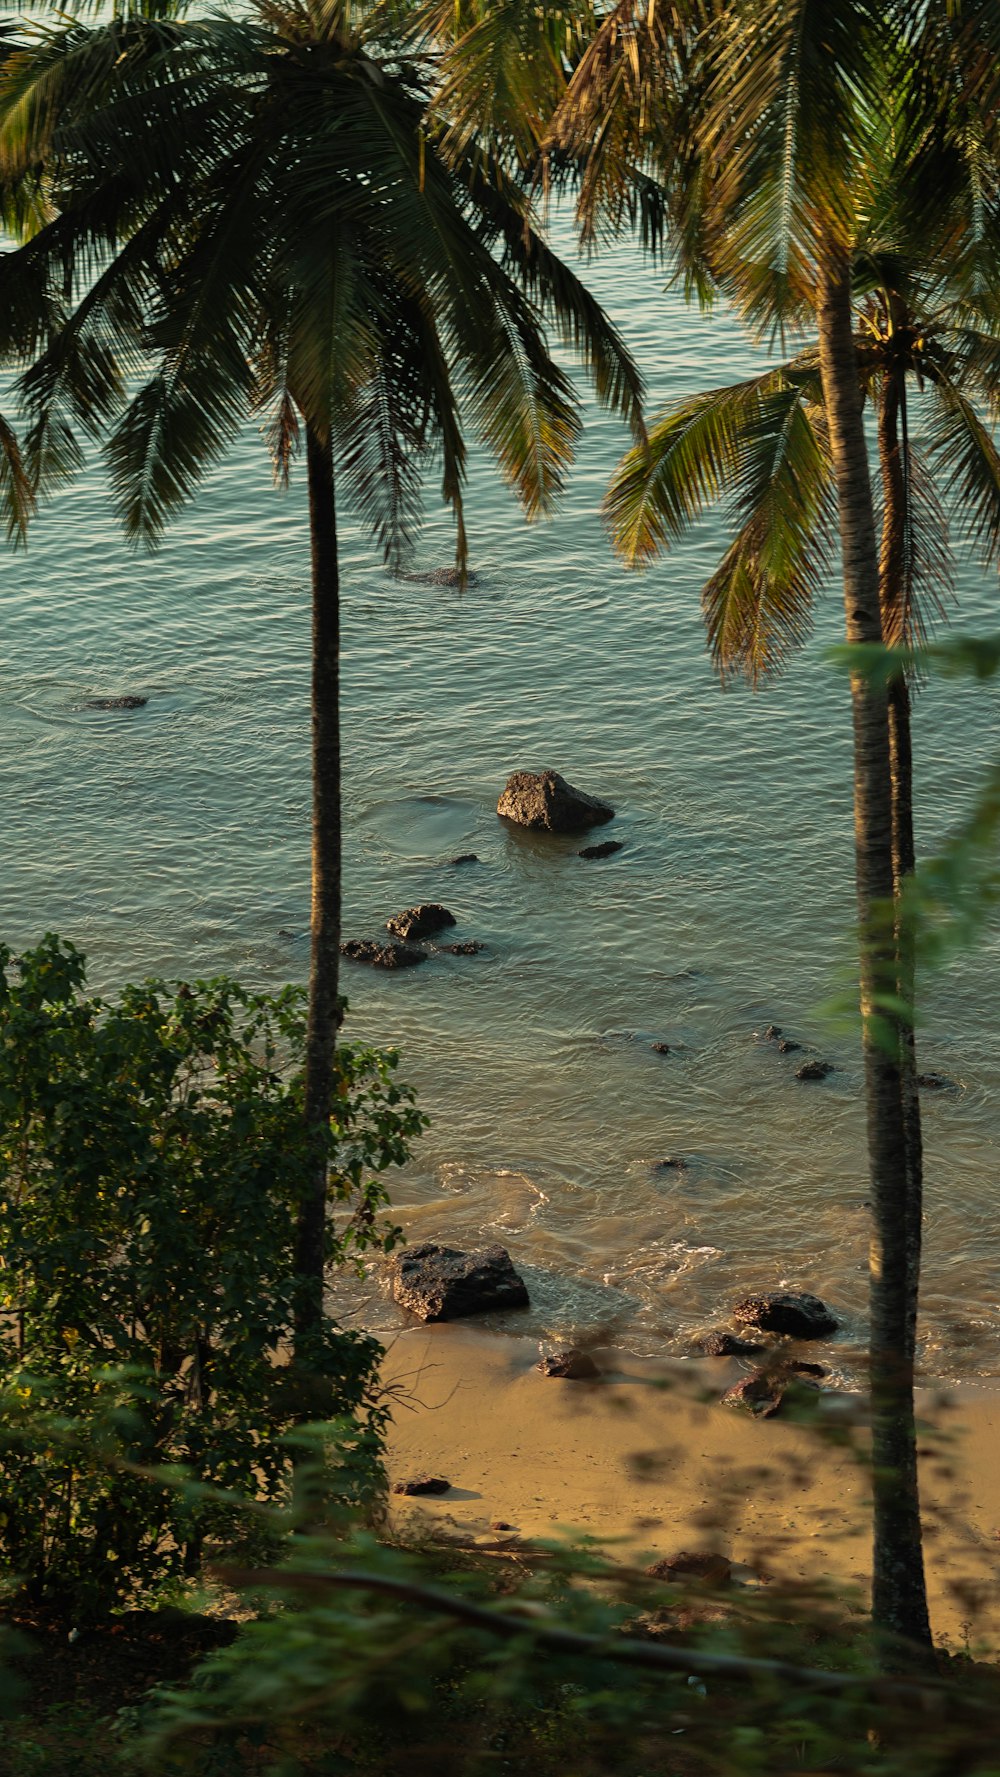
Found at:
[899, 1601]
[892, 596]
[324, 1005]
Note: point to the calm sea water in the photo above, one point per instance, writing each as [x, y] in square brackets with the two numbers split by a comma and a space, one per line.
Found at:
[175, 839]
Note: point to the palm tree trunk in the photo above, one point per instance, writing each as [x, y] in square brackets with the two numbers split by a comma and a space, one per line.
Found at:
[899, 1601]
[324, 1003]
[892, 596]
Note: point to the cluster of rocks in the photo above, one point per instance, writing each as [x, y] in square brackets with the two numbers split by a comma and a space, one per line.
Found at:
[542, 800]
[414, 923]
[787, 1316]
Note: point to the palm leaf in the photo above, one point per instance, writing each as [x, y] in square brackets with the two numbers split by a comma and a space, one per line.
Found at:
[960, 446]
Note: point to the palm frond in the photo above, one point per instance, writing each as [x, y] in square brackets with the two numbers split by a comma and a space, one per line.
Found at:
[689, 460]
[961, 448]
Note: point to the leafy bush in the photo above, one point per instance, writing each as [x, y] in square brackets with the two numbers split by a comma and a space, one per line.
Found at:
[152, 1153]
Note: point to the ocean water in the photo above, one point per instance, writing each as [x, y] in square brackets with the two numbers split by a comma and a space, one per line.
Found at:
[174, 839]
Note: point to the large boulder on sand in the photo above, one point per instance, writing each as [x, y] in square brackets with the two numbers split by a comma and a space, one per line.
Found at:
[543, 799]
[441, 1283]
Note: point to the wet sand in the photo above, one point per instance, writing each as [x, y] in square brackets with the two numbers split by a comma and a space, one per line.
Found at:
[646, 1462]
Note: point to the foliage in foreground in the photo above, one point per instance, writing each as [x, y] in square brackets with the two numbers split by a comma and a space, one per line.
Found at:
[366, 1659]
[152, 1153]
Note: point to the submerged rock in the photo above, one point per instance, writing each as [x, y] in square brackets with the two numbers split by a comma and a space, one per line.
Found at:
[660, 1048]
[442, 1283]
[720, 1344]
[937, 1083]
[786, 1046]
[465, 857]
[420, 922]
[441, 577]
[799, 1316]
[382, 956]
[572, 1366]
[116, 703]
[469, 947]
[543, 799]
[814, 1070]
[602, 851]
[671, 1163]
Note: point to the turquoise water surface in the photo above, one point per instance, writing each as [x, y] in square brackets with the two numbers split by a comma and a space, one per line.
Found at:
[175, 839]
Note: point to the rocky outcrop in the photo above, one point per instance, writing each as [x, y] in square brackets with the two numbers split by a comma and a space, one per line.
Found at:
[543, 799]
[421, 1485]
[799, 1316]
[602, 851]
[572, 1366]
[382, 956]
[442, 1283]
[116, 703]
[420, 922]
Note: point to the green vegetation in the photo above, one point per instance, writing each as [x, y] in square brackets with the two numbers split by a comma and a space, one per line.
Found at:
[323, 215]
[152, 1159]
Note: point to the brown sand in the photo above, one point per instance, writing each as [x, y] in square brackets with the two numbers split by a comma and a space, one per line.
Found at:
[644, 1463]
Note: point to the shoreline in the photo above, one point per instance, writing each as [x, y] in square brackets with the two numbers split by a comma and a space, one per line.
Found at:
[645, 1464]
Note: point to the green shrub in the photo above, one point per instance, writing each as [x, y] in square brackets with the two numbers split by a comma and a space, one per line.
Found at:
[152, 1153]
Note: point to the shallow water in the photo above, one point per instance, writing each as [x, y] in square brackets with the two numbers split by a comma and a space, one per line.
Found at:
[175, 839]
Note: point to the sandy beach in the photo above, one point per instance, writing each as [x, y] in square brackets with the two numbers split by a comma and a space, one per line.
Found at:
[643, 1462]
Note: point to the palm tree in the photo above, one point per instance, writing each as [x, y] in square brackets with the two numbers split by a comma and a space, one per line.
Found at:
[759, 145]
[254, 219]
[761, 448]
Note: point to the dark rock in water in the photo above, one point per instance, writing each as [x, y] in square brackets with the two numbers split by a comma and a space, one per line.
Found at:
[543, 799]
[937, 1083]
[465, 857]
[786, 1046]
[470, 947]
[693, 1564]
[728, 1345]
[441, 577]
[421, 1484]
[760, 1394]
[602, 851]
[814, 1070]
[382, 956]
[573, 1366]
[772, 1033]
[420, 922]
[660, 1048]
[116, 703]
[671, 1163]
[799, 1316]
[441, 1283]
